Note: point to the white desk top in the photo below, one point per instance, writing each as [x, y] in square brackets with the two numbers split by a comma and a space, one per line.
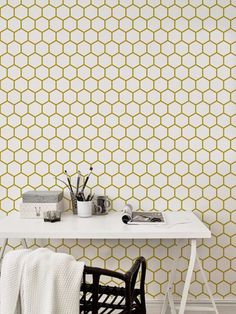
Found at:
[180, 225]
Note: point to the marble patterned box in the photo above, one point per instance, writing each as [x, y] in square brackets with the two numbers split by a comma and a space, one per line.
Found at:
[36, 210]
[42, 196]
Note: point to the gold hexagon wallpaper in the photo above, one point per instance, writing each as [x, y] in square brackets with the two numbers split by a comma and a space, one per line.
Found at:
[145, 92]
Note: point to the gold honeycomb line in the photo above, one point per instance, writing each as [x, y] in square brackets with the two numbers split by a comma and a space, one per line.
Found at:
[144, 91]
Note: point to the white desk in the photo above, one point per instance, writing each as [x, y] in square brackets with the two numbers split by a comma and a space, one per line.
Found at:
[180, 225]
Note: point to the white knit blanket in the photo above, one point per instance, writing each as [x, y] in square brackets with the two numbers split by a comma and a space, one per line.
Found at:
[40, 282]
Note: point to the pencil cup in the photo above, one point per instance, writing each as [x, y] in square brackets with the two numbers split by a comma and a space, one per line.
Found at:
[84, 209]
[74, 203]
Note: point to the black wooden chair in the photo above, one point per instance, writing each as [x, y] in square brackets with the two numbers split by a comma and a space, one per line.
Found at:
[98, 298]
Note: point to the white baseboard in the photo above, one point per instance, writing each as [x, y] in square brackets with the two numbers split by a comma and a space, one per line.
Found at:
[224, 307]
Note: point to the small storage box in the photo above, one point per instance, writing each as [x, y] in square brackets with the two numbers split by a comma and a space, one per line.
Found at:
[42, 196]
[36, 210]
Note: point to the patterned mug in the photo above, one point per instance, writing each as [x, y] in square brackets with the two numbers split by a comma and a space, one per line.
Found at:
[101, 205]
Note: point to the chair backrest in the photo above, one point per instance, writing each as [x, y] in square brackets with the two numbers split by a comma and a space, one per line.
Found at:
[131, 279]
[140, 263]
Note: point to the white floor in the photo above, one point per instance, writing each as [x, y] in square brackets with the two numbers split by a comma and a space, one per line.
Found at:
[224, 307]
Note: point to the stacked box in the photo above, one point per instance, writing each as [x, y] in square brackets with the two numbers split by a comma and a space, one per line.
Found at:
[35, 203]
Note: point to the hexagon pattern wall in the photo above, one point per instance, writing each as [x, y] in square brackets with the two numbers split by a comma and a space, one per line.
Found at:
[143, 90]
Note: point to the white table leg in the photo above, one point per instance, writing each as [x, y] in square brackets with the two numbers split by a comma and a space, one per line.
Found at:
[168, 296]
[207, 285]
[171, 302]
[4, 244]
[188, 276]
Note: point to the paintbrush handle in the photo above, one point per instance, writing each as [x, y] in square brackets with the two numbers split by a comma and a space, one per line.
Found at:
[77, 187]
[68, 180]
[87, 178]
[81, 195]
[64, 183]
[85, 183]
[71, 189]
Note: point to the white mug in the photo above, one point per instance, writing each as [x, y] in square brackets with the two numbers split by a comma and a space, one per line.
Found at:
[84, 209]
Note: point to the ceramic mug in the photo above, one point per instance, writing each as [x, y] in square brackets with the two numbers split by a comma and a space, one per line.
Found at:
[101, 205]
[84, 209]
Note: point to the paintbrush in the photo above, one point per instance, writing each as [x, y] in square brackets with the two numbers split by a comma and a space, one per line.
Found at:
[91, 198]
[80, 197]
[68, 180]
[87, 178]
[78, 181]
[64, 183]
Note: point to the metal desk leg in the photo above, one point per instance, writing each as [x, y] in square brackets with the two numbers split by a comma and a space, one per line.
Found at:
[168, 296]
[188, 276]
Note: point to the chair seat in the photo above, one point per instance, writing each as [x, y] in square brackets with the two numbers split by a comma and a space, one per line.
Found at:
[109, 290]
[116, 296]
[100, 298]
